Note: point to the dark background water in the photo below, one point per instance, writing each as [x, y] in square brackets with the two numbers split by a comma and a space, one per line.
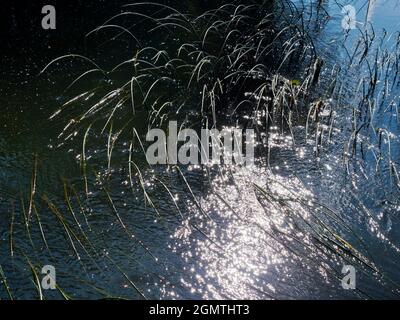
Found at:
[25, 47]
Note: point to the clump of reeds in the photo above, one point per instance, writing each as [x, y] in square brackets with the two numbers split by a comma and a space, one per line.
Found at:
[236, 56]
[219, 66]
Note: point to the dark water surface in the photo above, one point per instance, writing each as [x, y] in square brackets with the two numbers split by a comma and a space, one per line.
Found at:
[222, 240]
